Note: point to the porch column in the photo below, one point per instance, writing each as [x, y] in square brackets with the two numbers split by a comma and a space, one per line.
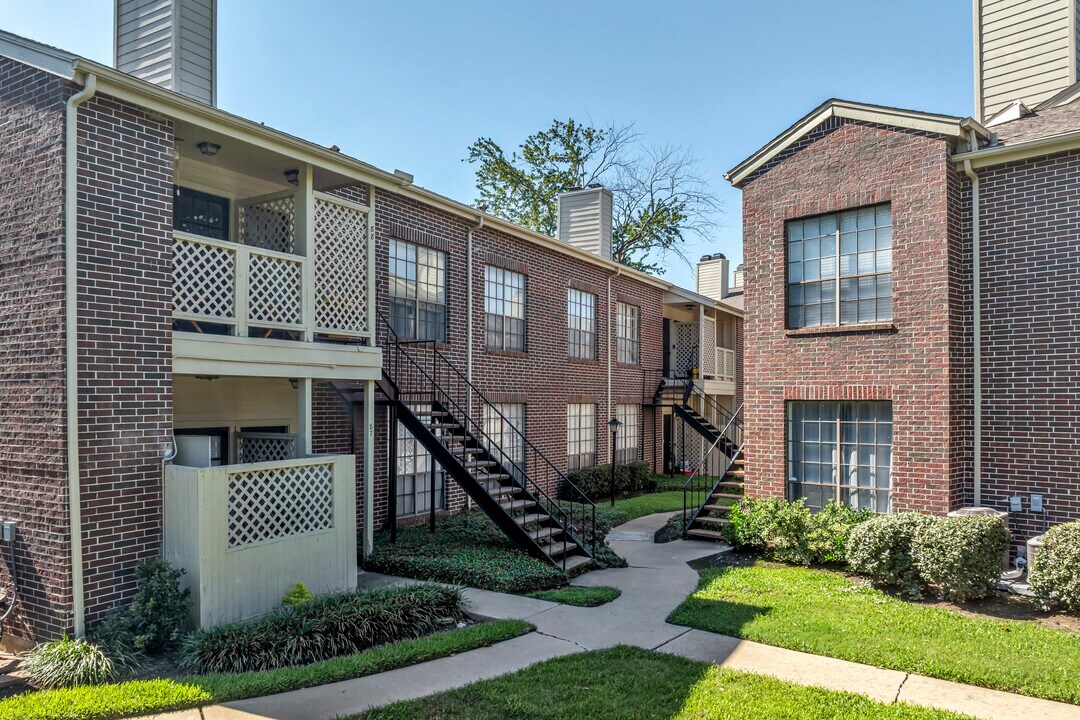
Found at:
[303, 417]
[369, 467]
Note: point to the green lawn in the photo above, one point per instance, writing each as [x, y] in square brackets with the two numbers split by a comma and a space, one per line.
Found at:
[656, 502]
[579, 596]
[144, 697]
[631, 684]
[827, 614]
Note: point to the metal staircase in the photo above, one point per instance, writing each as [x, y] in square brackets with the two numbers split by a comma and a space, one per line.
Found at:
[511, 480]
[707, 499]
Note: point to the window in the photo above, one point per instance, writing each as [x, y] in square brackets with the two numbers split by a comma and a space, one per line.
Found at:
[627, 344]
[840, 268]
[504, 305]
[580, 436]
[417, 292]
[414, 465]
[199, 213]
[581, 324]
[840, 451]
[500, 422]
[627, 440]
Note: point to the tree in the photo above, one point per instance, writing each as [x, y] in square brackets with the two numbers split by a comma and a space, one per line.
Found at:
[659, 195]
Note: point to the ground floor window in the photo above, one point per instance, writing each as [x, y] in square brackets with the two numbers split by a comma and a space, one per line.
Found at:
[840, 451]
[580, 436]
[414, 464]
[628, 440]
[504, 424]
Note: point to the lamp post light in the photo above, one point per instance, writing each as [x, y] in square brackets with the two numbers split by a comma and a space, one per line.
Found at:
[614, 424]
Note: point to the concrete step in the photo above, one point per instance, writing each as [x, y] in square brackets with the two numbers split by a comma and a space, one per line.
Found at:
[484, 477]
[558, 549]
[714, 521]
[575, 563]
[706, 534]
[531, 518]
[717, 508]
[522, 505]
[546, 535]
[480, 463]
[727, 496]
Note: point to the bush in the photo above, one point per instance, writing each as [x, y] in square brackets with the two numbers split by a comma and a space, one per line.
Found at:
[960, 558]
[880, 549]
[160, 610]
[1056, 573]
[595, 481]
[69, 662]
[330, 626]
[789, 532]
[833, 525]
[298, 594]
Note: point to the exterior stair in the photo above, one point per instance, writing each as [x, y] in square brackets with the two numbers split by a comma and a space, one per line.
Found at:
[677, 394]
[712, 516]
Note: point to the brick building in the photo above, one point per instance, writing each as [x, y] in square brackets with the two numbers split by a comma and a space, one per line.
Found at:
[238, 349]
[911, 281]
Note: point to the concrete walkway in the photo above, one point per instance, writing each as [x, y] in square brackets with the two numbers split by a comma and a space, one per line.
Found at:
[654, 584]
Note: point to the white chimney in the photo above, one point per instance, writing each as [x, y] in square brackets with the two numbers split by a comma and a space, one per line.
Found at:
[737, 278]
[171, 43]
[1025, 50]
[712, 276]
[584, 220]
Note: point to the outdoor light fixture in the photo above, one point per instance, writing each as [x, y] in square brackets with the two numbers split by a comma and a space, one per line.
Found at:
[614, 424]
[208, 149]
[293, 176]
[295, 382]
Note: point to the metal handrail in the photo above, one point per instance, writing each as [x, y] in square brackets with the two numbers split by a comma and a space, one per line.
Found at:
[690, 487]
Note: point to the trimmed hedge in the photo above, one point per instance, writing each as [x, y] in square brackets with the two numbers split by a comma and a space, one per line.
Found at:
[960, 558]
[595, 481]
[881, 549]
[329, 626]
[789, 532]
[1056, 572]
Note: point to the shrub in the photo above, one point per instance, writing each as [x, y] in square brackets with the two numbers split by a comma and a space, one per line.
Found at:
[880, 549]
[833, 525]
[298, 594]
[595, 481]
[1056, 572]
[750, 522]
[69, 662]
[960, 558]
[330, 626]
[160, 610]
[789, 532]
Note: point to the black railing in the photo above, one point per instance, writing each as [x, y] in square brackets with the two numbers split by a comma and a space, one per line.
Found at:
[700, 486]
[425, 378]
[718, 415]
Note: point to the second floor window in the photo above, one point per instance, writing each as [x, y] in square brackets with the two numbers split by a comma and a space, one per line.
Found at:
[628, 344]
[200, 213]
[839, 268]
[417, 292]
[580, 436]
[581, 324]
[504, 309]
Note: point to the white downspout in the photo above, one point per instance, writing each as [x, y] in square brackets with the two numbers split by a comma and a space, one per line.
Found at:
[469, 315]
[976, 331]
[71, 340]
[612, 342]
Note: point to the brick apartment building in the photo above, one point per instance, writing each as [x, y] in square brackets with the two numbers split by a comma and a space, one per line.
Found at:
[239, 349]
[912, 283]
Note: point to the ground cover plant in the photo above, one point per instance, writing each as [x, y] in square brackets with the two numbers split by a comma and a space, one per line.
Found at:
[826, 613]
[144, 697]
[633, 683]
[579, 596]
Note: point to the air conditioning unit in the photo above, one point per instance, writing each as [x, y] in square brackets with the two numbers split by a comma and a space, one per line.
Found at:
[1034, 545]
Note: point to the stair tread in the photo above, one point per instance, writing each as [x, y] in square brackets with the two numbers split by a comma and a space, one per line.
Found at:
[717, 508]
[573, 562]
[518, 505]
[559, 549]
[531, 518]
[709, 520]
[490, 476]
[707, 534]
[729, 496]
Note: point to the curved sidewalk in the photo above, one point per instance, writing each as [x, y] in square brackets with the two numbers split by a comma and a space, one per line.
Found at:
[657, 580]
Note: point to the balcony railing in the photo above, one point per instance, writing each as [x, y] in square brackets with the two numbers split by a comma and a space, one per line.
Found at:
[725, 364]
[267, 282]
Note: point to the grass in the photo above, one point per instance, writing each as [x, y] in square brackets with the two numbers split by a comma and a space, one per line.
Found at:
[651, 503]
[579, 596]
[827, 614]
[630, 683]
[143, 697]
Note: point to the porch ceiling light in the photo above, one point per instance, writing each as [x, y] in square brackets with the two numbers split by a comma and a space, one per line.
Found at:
[293, 176]
[208, 148]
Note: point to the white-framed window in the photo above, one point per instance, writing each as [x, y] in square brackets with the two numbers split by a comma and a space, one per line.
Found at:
[500, 422]
[504, 308]
[628, 342]
[839, 268]
[581, 324]
[628, 439]
[840, 451]
[417, 282]
[580, 436]
[414, 464]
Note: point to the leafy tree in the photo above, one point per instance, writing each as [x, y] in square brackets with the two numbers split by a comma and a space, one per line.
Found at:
[659, 195]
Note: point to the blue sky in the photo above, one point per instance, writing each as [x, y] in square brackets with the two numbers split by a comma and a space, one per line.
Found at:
[410, 84]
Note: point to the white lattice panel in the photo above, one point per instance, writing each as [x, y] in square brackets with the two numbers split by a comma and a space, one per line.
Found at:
[274, 290]
[269, 224]
[686, 348]
[257, 448]
[274, 503]
[708, 343]
[203, 277]
[340, 268]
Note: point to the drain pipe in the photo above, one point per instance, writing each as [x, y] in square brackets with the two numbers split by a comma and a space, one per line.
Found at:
[469, 315]
[612, 342]
[976, 330]
[71, 338]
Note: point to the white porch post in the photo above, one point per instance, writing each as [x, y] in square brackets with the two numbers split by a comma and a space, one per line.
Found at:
[303, 414]
[369, 467]
[304, 227]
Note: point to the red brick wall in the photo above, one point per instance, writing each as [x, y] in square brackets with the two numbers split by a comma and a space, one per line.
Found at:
[843, 165]
[1030, 348]
[33, 462]
[125, 341]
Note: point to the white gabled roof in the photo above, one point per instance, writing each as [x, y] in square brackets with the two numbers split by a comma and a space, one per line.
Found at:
[896, 117]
